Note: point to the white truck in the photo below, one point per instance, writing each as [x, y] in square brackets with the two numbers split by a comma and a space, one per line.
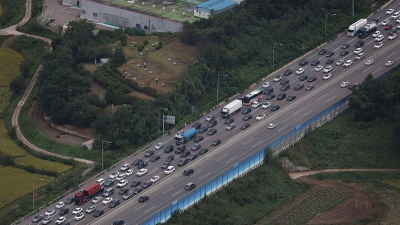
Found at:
[353, 29]
[231, 108]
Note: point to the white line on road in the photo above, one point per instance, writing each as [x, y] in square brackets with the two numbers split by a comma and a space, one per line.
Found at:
[257, 143]
[282, 128]
[248, 141]
[306, 113]
[177, 192]
[168, 190]
[222, 157]
[149, 209]
[298, 111]
[391, 54]
[195, 173]
[140, 206]
[320, 97]
[330, 98]
[153, 170]
[376, 70]
[204, 176]
[230, 160]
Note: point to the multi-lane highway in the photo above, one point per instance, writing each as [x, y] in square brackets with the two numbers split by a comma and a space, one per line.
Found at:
[237, 144]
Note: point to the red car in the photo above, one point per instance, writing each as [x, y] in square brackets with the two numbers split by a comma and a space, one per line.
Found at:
[389, 26]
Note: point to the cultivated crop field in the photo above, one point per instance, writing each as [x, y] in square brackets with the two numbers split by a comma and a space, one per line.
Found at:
[8, 146]
[42, 164]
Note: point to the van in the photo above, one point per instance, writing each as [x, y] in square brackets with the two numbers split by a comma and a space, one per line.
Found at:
[190, 186]
[108, 192]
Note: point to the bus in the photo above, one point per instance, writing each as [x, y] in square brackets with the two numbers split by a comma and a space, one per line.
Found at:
[253, 96]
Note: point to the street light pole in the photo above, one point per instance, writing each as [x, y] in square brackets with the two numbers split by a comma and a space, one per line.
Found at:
[158, 121]
[218, 85]
[102, 153]
[353, 8]
[33, 193]
[273, 54]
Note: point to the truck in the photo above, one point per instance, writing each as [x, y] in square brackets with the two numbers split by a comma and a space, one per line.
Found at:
[88, 193]
[353, 28]
[186, 136]
[231, 108]
[368, 29]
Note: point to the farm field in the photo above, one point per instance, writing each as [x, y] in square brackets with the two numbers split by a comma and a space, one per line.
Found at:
[42, 164]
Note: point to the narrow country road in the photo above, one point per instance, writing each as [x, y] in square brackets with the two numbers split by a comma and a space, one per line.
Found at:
[294, 176]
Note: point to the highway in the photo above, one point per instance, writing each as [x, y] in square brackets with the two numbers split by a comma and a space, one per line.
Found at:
[237, 144]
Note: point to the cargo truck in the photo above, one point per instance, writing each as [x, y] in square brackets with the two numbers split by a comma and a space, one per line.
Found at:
[368, 29]
[231, 108]
[88, 193]
[186, 136]
[353, 29]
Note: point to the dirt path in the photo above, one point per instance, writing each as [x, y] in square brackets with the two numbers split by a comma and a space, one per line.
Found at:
[296, 175]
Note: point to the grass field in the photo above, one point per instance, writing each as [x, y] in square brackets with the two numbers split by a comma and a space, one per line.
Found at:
[42, 164]
[19, 183]
[8, 146]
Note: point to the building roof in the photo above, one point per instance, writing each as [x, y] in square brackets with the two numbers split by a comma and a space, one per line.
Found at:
[209, 3]
[217, 5]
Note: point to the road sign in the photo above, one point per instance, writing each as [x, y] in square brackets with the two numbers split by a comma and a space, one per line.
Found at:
[170, 119]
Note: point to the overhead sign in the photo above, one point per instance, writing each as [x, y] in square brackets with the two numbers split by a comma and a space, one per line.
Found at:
[170, 119]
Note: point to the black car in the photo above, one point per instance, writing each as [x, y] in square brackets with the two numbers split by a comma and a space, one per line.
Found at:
[329, 61]
[137, 190]
[285, 87]
[169, 158]
[183, 162]
[284, 81]
[312, 79]
[309, 87]
[303, 77]
[270, 96]
[179, 151]
[211, 132]
[118, 222]
[344, 52]
[229, 121]
[359, 43]
[63, 211]
[196, 125]
[352, 86]
[185, 154]
[65, 223]
[212, 124]
[202, 130]
[136, 161]
[291, 97]
[298, 86]
[198, 138]
[203, 151]
[375, 20]
[275, 107]
[98, 213]
[165, 165]
[246, 110]
[109, 183]
[179, 142]
[114, 203]
[147, 184]
[281, 96]
[287, 72]
[268, 90]
[136, 183]
[193, 156]
[216, 142]
[322, 51]
[154, 158]
[196, 147]
[243, 127]
[37, 219]
[303, 62]
[330, 53]
[69, 200]
[142, 164]
[247, 117]
[315, 62]
[188, 172]
[181, 148]
[122, 191]
[149, 153]
[169, 149]
[143, 199]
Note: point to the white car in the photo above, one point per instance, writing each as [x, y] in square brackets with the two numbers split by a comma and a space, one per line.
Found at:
[266, 105]
[79, 216]
[396, 15]
[389, 11]
[348, 63]
[107, 201]
[255, 104]
[376, 34]
[129, 172]
[360, 56]
[277, 78]
[369, 62]
[344, 84]
[319, 68]
[385, 22]
[300, 71]
[141, 172]
[91, 209]
[260, 117]
[389, 63]
[49, 212]
[392, 36]
[114, 175]
[77, 210]
[47, 220]
[122, 183]
[379, 38]
[169, 170]
[120, 177]
[358, 51]
[271, 126]
[378, 45]
[155, 179]
[159, 145]
[60, 220]
[100, 181]
[60, 205]
[125, 167]
[340, 62]
[266, 84]
[328, 69]
[327, 76]
[398, 21]
[97, 200]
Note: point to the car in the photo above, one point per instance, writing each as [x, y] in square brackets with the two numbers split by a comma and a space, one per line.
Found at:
[229, 121]
[275, 107]
[270, 96]
[97, 199]
[212, 124]
[37, 218]
[378, 45]
[169, 148]
[63, 211]
[322, 51]
[190, 186]
[69, 200]
[120, 177]
[328, 69]
[392, 36]
[340, 62]
[287, 72]
[303, 62]
[169, 170]
[129, 172]
[135, 183]
[49, 20]
[255, 104]
[196, 147]
[247, 117]
[389, 63]
[202, 130]
[375, 20]
[299, 71]
[122, 183]
[107, 201]
[180, 149]
[376, 34]
[379, 38]
[369, 62]
[389, 11]
[360, 56]
[216, 142]
[109, 183]
[183, 162]
[196, 125]
[128, 195]
[149, 153]
[319, 68]
[277, 78]
[266, 105]
[193, 156]
[396, 15]
[315, 62]
[154, 158]
[210, 118]
[49, 212]
[291, 97]
[114, 203]
[98, 213]
[281, 96]
[352, 86]
[211, 132]
[125, 167]
[312, 79]
[385, 22]
[359, 43]
[298, 86]
[198, 138]
[285, 87]
[188, 172]
[60, 220]
[169, 158]
[309, 87]
[47, 220]
[140, 189]
[344, 84]
[245, 126]
[142, 164]
[329, 54]
[344, 52]
[79, 216]
[388, 26]
[284, 81]
[358, 51]
[345, 45]
[230, 126]
[329, 61]
[141, 172]
[398, 25]
[159, 146]
[108, 192]
[268, 90]
[266, 84]
[348, 63]
[271, 126]
[143, 199]
[185, 154]
[136, 161]
[246, 110]
[327, 76]
[100, 181]
[118, 222]
[260, 117]
[114, 175]
[90, 209]
[203, 151]
[303, 77]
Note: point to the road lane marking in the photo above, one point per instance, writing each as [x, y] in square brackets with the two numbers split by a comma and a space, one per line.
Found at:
[282, 128]
[153, 170]
[140, 206]
[222, 157]
[149, 209]
[230, 160]
[376, 70]
[248, 141]
[168, 190]
[177, 192]
[330, 98]
[257, 143]
[298, 111]
[320, 97]
[204, 176]
[307, 113]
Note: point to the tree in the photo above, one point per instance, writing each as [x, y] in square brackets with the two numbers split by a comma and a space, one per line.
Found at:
[110, 95]
[119, 57]
[17, 84]
[190, 34]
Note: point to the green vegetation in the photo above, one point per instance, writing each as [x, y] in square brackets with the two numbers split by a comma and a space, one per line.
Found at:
[13, 12]
[9, 69]
[40, 164]
[33, 27]
[1, 9]
[3, 38]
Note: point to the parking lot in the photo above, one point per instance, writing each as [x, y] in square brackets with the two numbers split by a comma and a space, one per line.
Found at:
[61, 13]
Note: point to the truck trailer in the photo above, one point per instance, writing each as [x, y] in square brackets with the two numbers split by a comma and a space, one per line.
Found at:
[88, 193]
[186, 136]
[231, 108]
[353, 29]
[368, 29]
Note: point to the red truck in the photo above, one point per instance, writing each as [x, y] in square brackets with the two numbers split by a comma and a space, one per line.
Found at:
[87, 193]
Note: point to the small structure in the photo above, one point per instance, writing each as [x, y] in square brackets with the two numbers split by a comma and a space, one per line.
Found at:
[104, 61]
[205, 9]
[88, 144]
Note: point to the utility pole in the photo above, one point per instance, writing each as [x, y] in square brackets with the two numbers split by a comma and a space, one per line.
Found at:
[273, 55]
[158, 121]
[102, 155]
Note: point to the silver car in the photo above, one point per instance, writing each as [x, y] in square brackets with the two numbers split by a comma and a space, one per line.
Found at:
[230, 126]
